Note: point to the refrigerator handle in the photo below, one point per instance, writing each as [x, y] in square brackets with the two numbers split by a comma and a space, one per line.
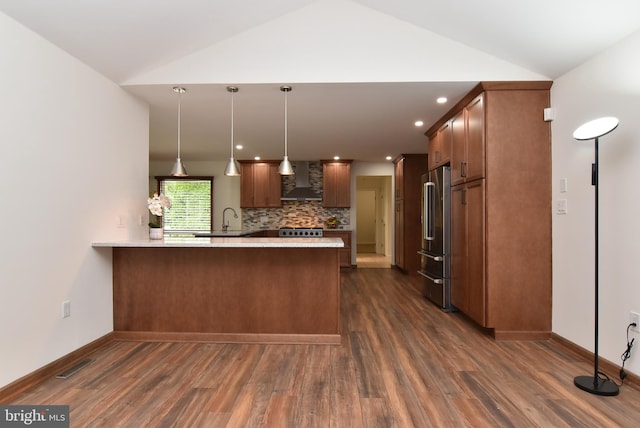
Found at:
[436, 258]
[435, 280]
[427, 232]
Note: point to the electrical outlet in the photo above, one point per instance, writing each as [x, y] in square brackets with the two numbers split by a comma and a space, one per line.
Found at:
[634, 318]
[66, 309]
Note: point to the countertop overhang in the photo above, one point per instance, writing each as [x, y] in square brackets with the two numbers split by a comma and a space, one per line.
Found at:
[230, 242]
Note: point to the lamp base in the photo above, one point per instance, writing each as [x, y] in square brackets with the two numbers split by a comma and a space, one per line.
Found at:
[596, 385]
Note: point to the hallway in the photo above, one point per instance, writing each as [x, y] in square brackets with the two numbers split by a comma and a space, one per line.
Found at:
[373, 260]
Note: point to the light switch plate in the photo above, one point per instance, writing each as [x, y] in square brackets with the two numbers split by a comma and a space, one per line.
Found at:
[563, 185]
[561, 206]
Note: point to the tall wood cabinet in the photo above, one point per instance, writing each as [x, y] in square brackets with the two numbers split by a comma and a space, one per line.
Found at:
[408, 171]
[260, 184]
[501, 208]
[336, 184]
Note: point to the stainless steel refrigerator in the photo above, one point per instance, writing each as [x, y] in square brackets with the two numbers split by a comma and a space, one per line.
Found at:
[436, 237]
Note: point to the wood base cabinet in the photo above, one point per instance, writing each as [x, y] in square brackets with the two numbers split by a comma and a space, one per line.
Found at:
[501, 208]
[345, 252]
[467, 250]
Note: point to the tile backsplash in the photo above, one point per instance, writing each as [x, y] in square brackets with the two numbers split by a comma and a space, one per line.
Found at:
[293, 214]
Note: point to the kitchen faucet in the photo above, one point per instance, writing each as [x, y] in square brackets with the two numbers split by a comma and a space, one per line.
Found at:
[225, 224]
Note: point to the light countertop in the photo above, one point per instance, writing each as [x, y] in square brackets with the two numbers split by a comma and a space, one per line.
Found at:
[230, 242]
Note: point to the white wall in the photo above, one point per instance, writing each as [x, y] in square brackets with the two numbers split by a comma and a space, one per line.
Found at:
[226, 190]
[74, 149]
[607, 85]
[335, 41]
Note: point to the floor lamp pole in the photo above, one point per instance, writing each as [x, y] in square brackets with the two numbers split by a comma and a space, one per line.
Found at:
[594, 384]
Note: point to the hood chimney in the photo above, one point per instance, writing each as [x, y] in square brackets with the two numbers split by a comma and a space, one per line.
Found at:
[303, 190]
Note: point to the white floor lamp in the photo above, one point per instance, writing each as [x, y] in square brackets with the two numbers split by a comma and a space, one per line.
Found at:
[590, 131]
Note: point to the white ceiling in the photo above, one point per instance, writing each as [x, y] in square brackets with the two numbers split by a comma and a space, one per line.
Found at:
[126, 39]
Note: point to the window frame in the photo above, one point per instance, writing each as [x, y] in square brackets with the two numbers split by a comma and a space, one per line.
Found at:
[160, 178]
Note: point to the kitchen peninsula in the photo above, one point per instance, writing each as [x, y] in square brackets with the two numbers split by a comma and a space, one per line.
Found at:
[236, 289]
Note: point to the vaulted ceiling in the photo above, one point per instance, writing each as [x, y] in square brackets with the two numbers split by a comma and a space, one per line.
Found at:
[362, 71]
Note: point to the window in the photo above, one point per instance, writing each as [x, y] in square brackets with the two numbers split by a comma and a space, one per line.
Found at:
[191, 203]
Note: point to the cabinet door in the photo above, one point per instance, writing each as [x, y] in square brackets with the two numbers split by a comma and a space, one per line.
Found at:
[475, 139]
[336, 184]
[246, 185]
[343, 185]
[475, 240]
[274, 191]
[459, 282]
[467, 143]
[440, 147]
[458, 148]
[329, 185]
[434, 150]
[399, 178]
[261, 185]
[399, 234]
[468, 284]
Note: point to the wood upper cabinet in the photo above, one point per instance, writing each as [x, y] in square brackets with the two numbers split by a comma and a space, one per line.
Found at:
[440, 146]
[474, 168]
[467, 142]
[336, 184]
[398, 175]
[260, 185]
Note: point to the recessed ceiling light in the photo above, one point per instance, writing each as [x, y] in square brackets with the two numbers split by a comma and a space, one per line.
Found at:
[418, 123]
[336, 158]
[256, 157]
[388, 158]
[239, 147]
[441, 100]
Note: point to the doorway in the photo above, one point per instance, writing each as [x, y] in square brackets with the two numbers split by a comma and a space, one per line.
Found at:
[373, 221]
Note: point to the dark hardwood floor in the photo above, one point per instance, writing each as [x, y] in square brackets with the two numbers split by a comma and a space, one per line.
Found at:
[402, 363]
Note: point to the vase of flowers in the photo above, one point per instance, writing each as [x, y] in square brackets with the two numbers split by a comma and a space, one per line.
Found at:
[157, 204]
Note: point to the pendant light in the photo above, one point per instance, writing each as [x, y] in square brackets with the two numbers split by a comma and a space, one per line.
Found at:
[178, 168]
[285, 167]
[232, 169]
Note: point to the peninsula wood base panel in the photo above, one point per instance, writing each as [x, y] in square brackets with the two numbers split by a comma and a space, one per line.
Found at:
[257, 338]
[261, 294]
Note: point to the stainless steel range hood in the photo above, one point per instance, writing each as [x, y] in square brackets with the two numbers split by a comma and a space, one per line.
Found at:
[303, 190]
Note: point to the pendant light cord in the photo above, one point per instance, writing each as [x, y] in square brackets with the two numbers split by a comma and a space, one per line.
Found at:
[286, 125]
[179, 114]
[232, 110]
